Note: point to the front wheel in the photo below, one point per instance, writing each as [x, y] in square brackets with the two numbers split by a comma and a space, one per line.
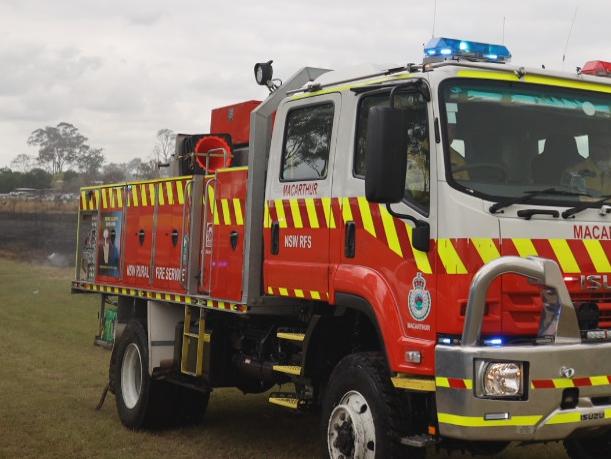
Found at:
[362, 416]
[594, 447]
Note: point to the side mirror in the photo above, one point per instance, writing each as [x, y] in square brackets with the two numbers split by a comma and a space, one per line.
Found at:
[387, 143]
[421, 237]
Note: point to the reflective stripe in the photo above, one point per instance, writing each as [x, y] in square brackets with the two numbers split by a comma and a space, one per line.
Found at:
[326, 207]
[346, 210]
[170, 191]
[267, 220]
[366, 215]
[226, 213]
[152, 190]
[311, 209]
[295, 213]
[237, 208]
[134, 195]
[390, 230]
[565, 257]
[597, 255]
[279, 206]
[486, 248]
[478, 421]
[422, 259]
[525, 247]
[450, 258]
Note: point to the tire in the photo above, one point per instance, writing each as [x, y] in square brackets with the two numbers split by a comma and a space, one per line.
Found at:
[145, 403]
[595, 447]
[362, 416]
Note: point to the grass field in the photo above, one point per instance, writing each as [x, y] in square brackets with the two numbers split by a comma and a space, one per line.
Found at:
[51, 377]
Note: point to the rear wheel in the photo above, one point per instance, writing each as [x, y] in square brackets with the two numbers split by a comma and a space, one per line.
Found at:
[362, 416]
[589, 447]
[143, 402]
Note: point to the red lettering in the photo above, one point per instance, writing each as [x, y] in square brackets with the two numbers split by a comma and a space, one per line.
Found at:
[605, 233]
[596, 232]
[587, 233]
[577, 232]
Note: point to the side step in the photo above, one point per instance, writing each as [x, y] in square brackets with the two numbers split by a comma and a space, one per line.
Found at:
[294, 370]
[285, 399]
[290, 336]
[419, 440]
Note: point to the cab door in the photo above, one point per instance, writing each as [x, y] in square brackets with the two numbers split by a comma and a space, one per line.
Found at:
[299, 215]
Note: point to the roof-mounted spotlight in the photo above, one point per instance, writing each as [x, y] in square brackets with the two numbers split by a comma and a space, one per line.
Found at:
[264, 75]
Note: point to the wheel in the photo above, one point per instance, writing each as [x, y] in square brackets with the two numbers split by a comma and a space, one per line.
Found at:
[595, 447]
[361, 413]
[141, 402]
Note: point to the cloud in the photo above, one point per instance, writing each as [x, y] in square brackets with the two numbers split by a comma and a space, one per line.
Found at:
[122, 70]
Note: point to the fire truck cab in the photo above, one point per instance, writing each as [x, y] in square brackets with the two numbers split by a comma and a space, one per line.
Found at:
[423, 252]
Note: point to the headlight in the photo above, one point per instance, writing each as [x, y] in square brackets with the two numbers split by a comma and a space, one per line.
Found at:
[502, 379]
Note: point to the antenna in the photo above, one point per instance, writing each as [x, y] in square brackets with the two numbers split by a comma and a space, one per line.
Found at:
[503, 33]
[566, 46]
[434, 17]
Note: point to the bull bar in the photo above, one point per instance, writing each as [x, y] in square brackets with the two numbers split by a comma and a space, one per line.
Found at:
[465, 412]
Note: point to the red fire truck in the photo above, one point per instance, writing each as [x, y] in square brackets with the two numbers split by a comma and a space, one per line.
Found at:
[422, 251]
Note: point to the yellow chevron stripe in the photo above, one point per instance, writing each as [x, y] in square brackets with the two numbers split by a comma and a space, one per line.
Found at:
[346, 210]
[525, 247]
[315, 295]
[486, 248]
[212, 201]
[597, 255]
[299, 293]
[279, 206]
[366, 215]
[599, 380]
[328, 211]
[161, 194]
[143, 195]
[422, 259]
[565, 256]
[391, 232]
[153, 190]
[296, 214]
[96, 197]
[270, 291]
[442, 382]
[226, 214]
[104, 201]
[237, 209]
[84, 200]
[283, 292]
[564, 418]
[181, 192]
[134, 201]
[170, 191]
[120, 197]
[312, 217]
[449, 257]
[111, 195]
[267, 220]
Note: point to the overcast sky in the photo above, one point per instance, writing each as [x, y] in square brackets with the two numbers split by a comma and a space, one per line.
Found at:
[121, 70]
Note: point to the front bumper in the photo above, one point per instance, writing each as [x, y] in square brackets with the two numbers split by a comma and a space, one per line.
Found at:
[538, 416]
[549, 369]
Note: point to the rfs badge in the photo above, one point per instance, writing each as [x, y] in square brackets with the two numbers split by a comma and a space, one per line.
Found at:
[419, 299]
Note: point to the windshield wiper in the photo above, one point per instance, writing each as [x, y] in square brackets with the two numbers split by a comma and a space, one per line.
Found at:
[529, 196]
[586, 205]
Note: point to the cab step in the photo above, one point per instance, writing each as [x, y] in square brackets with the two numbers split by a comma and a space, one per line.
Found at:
[294, 370]
[285, 399]
[419, 440]
[290, 336]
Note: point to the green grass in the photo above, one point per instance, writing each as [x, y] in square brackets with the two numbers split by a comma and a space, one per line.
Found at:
[51, 377]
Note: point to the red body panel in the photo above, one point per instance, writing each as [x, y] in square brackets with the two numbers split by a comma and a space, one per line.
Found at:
[233, 120]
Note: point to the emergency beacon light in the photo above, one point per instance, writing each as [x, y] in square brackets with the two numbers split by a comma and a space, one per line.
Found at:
[440, 48]
[597, 68]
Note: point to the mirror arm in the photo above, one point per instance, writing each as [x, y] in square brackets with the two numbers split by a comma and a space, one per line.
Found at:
[411, 218]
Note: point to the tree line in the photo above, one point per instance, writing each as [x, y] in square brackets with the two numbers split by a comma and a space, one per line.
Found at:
[66, 161]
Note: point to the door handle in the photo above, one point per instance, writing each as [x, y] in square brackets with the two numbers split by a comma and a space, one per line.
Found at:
[141, 236]
[350, 240]
[174, 235]
[233, 239]
[275, 238]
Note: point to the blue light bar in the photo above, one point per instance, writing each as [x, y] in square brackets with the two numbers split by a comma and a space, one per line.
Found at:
[439, 49]
[493, 342]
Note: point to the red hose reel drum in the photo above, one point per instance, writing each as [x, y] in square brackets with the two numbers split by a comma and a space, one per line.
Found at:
[212, 153]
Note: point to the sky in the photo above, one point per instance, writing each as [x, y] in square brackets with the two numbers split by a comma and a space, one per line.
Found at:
[120, 70]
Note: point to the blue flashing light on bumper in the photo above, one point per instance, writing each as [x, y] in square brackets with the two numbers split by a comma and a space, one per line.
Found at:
[438, 49]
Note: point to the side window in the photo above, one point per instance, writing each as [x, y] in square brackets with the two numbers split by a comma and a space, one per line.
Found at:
[307, 141]
[417, 180]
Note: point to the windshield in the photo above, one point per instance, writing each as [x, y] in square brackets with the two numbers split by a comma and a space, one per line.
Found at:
[504, 139]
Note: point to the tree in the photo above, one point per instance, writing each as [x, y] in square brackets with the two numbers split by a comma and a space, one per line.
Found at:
[59, 145]
[142, 170]
[164, 147]
[113, 173]
[89, 161]
[23, 163]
